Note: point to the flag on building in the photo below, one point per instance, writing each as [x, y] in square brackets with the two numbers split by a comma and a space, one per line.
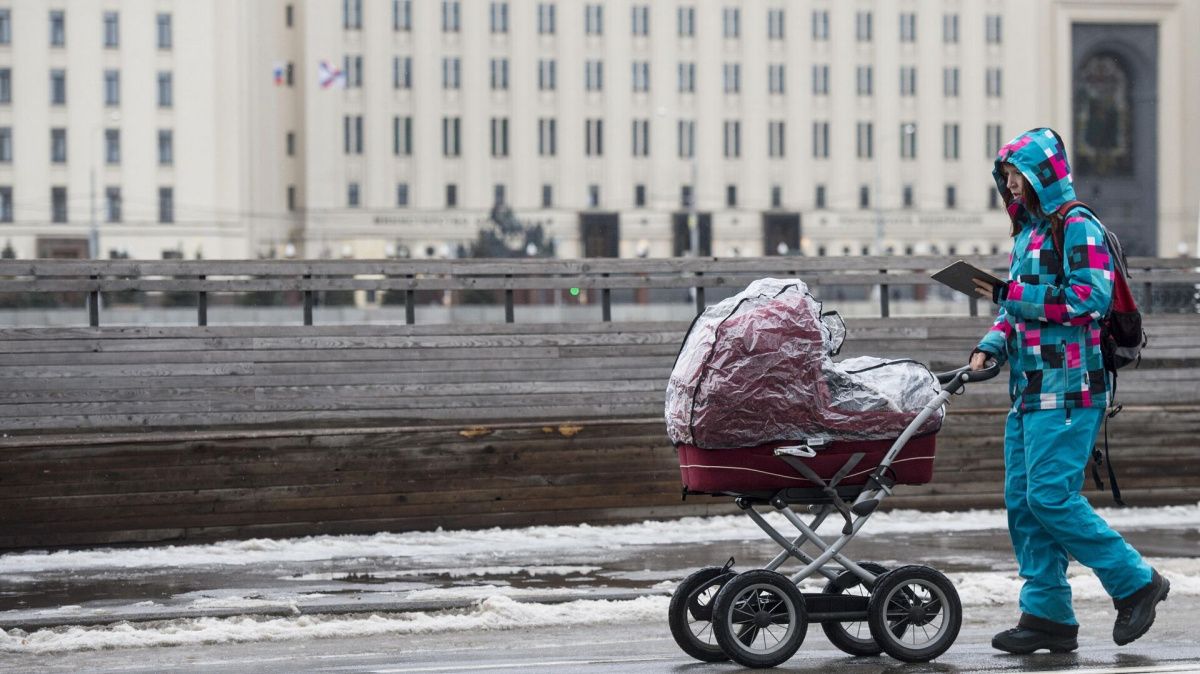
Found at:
[328, 76]
[278, 72]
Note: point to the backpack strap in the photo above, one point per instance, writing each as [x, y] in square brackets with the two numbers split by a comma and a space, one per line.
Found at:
[1058, 228]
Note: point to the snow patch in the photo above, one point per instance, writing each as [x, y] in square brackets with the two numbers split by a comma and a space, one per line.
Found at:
[444, 547]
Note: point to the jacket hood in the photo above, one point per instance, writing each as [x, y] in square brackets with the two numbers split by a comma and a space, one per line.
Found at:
[1040, 156]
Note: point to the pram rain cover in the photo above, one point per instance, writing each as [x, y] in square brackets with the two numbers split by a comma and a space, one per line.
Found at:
[758, 367]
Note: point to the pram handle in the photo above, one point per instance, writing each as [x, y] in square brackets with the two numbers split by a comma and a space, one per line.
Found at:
[965, 375]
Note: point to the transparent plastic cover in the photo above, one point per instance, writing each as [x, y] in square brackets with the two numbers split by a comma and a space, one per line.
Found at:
[758, 367]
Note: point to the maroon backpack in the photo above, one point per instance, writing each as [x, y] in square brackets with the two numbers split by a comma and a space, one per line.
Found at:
[1121, 335]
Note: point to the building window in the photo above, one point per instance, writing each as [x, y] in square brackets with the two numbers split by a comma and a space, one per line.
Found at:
[545, 18]
[546, 75]
[641, 76]
[6, 145]
[820, 25]
[993, 141]
[951, 197]
[594, 75]
[594, 137]
[402, 195]
[862, 26]
[993, 198]
[908, 140]
[907, 196]
[166, 204]
[58, 204]
[498, 195]
[112, 204]
[451, 128]
[112, 28]
[639, 195]
[993, 82]
[863, 78]
[733, 78]
[908, 80]
[6, 204]
[908, 27]
[775, 78]
[866, 146]
[5, 26]
[289, 141]
[950, 141]
[112, 88]
[993, 25]
[451, 195]
[351, 14]
[686, 139]
[291, 198]
[820, 79]
[498, 17]
[864, 196]
[58, 87]
[776, 196]
[687, 78]
[593, 196]
[685, 196]
[352, 134]
[686, 21]
[287, 16]
[641, 138]
[776, 147]
[451, 72]
[112, 146]
[402, 15]
[641, 20]
[950, 28]
[547, 137]
[547, 196]
[402, 140]
[821, 140]
[731, 196]
[451, 15]
[731, 23]
[5, 85]
[58, 146]
[163, 33]
[402, 72]
[166, 96]
[166, 147]
[352, 67]
[593, 19]
[775, 24]
[819, 197]
[352, 197]
[499, 74]
[58, 29]
[499, 137]
[733, 139]
[950, 82]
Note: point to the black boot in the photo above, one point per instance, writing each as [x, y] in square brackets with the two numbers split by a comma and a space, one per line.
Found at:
[1135, 613]
[1033, 633]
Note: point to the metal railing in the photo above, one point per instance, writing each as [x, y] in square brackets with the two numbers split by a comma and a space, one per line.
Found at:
[310, 277]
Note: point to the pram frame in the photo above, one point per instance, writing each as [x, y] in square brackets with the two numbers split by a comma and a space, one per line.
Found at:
[877, 488]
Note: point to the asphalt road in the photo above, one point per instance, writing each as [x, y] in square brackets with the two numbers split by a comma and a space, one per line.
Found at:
[1173, 645]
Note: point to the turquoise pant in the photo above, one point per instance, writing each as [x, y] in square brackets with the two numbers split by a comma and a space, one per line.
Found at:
[1045, 453]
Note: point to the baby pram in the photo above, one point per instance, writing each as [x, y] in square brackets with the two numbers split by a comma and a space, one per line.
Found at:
[759, 411]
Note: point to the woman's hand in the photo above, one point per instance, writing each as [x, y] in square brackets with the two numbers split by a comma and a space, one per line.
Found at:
[978, 360]
[983, 289]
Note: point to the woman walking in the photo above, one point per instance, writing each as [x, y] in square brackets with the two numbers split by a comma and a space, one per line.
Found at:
[1048, 330]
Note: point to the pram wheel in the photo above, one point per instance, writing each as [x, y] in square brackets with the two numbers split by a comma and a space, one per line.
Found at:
[923, 602]
[691, 611]
[760, 619]
[852, 637]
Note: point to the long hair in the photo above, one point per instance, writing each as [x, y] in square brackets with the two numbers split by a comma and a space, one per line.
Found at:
[1031, 203]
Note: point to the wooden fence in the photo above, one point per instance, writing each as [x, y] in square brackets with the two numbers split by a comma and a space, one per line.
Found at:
[120, 434]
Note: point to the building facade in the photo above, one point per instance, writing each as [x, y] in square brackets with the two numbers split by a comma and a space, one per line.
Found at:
[383, 128]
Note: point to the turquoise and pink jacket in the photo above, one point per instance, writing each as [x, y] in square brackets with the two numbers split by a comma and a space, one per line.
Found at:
[1048, 324]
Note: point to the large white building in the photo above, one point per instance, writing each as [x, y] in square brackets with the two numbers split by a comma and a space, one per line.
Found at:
[365, 128]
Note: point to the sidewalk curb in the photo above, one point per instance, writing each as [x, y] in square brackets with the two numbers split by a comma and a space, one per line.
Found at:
[296, 610]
